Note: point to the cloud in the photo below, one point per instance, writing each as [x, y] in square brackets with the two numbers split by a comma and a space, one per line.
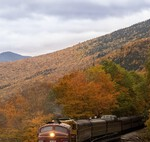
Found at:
[33, 27]
[74, 9]
[44, 34]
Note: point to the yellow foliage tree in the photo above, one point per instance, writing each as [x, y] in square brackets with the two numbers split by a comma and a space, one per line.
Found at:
[30, 128]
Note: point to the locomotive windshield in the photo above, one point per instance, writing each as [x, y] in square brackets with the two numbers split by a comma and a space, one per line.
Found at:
[61, 129]
[47, 128]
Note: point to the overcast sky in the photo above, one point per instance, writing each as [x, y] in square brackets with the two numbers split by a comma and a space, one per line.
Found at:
[35, 27]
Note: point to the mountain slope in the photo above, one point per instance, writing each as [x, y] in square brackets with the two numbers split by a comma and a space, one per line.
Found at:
[10, 56]
[128, 46]
[131, 56]
[105, 44]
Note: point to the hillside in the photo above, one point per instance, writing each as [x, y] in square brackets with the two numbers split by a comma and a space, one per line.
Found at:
[131, 56]
[105, 44]
[127, 47]
[10, 56]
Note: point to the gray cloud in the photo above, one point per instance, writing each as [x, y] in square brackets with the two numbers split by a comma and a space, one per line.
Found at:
[67, 9]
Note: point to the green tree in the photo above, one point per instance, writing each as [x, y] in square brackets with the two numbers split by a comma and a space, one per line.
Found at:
[131, 100]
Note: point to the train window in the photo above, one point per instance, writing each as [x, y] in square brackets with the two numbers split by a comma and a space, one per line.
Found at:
[61, 129]
[47, 128]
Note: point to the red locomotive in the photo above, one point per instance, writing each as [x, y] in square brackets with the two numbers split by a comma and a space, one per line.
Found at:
[54, 132]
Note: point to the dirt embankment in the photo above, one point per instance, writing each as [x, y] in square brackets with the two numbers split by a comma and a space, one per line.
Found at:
[136, 136]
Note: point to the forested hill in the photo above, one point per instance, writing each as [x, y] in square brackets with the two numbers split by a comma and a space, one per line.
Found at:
[131, 56]
[102, 45]
[119, 40]
[128, 47]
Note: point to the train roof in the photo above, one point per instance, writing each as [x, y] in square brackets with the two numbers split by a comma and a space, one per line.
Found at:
[124, 118]
[98, 120]
[109, 117]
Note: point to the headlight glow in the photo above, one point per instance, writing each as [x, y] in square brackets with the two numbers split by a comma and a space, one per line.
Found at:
[52, 135]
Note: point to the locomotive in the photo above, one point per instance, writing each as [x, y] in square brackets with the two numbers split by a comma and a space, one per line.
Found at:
[70, 130]
[54, 132]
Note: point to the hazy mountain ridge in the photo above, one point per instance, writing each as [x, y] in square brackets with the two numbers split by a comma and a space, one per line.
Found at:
[128, 47]
[10, 56]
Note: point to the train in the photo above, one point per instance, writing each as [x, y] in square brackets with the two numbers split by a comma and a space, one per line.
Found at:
[70, 130]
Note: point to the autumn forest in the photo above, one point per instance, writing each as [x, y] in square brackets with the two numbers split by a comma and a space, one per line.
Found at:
[106, 88]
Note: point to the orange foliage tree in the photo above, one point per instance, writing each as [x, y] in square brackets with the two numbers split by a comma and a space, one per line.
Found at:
[86, 93]
[21, 116]
[13, 112]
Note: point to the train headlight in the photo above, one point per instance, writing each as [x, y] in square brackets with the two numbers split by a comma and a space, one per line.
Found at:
[52, 134]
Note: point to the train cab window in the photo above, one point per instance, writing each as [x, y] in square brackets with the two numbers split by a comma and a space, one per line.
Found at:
[61, 129]
[47, 128]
